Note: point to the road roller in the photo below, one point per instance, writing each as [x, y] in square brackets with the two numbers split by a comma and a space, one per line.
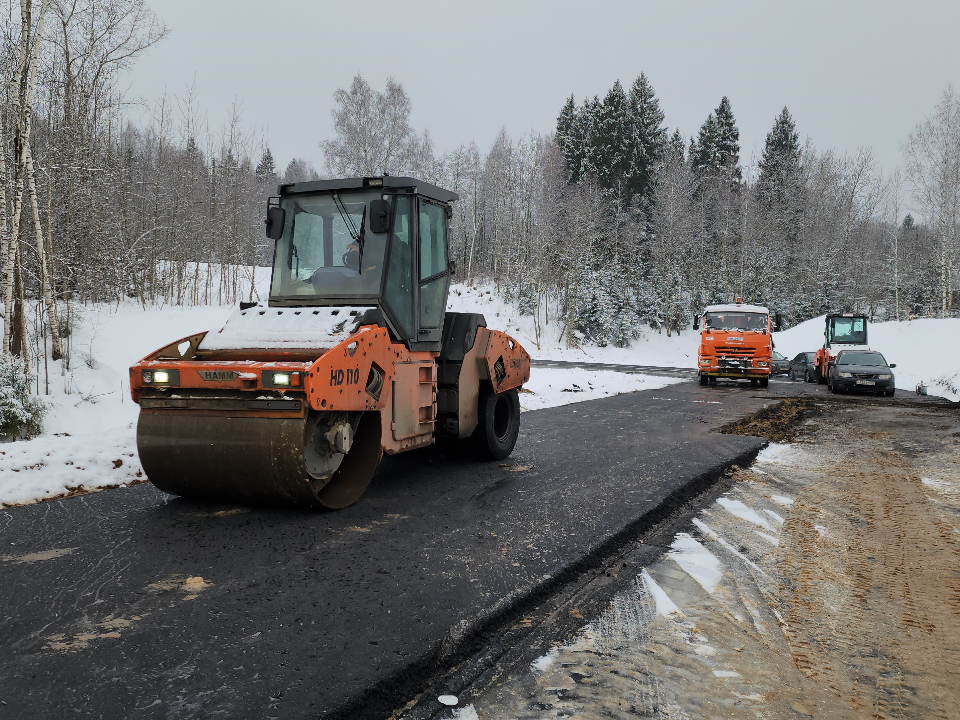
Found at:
[295, 400]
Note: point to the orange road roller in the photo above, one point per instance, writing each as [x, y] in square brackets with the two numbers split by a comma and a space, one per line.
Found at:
[354, 355]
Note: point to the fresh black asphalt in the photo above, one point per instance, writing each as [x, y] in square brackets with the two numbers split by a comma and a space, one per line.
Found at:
[133, 604]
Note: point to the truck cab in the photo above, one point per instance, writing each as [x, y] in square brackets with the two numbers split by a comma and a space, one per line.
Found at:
[735, 343]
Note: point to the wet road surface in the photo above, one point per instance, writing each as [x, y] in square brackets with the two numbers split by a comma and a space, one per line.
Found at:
[131, 603]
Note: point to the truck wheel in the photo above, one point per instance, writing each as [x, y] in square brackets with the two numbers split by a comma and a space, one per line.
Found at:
[764, 382]
[704, 379]
[499, 426]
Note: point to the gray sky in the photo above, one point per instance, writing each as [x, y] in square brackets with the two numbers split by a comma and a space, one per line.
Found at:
[852, 73]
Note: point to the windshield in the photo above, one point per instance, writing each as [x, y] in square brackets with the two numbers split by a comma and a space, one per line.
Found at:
[851, 330]
[855, 358]
[317, 255]
[777, 356]
[736, 321]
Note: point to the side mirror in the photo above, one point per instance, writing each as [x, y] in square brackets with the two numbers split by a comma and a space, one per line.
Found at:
[379, 216]
[696, 322]
[892, 365]
[276, 217]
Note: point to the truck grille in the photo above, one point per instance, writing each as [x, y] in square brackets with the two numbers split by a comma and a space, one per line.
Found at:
[737, 351]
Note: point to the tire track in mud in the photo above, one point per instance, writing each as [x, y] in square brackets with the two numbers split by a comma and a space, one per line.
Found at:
[847, 607]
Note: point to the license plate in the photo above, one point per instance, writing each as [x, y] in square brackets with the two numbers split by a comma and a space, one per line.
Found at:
[865, 382]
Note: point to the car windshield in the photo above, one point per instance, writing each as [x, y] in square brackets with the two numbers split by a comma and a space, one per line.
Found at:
[811, 356]
[777, 356]
[736, 321]
[857, 358]
[318, 257]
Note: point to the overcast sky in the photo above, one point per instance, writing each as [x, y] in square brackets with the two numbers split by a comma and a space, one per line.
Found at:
[852, 73]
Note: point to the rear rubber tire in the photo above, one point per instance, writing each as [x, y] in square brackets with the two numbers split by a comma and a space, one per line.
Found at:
[499, 424]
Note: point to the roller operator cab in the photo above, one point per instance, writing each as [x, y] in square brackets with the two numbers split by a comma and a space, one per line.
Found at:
[735, 343]
[354, 355]
[846, 331]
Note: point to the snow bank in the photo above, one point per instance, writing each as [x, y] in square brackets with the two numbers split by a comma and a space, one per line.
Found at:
[926, 350]
[651, 348]
[549, 387]
[92, 422]
[696, 561]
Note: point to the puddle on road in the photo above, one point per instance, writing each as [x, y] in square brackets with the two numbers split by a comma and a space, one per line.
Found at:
[826, 584]
[38, 556]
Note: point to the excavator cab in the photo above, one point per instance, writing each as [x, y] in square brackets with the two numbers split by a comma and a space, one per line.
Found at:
[370, 242]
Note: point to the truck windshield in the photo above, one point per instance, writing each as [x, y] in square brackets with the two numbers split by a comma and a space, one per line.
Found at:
[852, 330]
[317, 256]
[856, 358]
[736, 321]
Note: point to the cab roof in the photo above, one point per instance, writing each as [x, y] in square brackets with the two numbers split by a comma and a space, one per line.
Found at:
[737, 307]
[385, 181]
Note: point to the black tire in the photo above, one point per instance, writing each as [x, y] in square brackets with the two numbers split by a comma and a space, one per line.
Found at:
[704, 379]
[499, 423]
[830, 386]
[764, 382]
[890, 393]
[754, 381]
[791, 375]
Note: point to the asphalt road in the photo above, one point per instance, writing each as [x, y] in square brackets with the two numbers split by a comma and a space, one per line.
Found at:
[131, 603]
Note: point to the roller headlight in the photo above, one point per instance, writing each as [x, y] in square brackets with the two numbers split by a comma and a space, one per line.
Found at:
[160, 377]
[282, 379]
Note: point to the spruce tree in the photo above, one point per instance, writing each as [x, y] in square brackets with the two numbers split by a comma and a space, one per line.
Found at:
[728, 139]
[570, 144]
[779, 180]
[716, 151]
[266, 169]
[608, 154]
[648, 138]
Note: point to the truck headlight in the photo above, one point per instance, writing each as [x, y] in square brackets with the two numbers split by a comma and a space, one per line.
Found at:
[763, 363]
[843, 374]
[705, 361]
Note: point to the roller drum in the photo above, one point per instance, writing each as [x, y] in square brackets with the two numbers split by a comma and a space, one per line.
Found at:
[251, 459]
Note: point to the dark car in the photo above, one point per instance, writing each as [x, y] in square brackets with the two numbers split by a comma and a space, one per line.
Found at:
[860, 370]
[802, 367]
[780, 365]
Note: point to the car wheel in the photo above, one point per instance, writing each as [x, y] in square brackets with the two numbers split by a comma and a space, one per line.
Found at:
[791, 375]
[890, 393]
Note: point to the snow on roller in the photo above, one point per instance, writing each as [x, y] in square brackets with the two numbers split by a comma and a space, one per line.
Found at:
[353, 356]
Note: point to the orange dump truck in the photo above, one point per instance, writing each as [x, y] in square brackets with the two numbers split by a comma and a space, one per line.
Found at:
[735, 342]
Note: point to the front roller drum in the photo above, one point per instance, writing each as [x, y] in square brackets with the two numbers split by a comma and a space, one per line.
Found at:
[252, 459]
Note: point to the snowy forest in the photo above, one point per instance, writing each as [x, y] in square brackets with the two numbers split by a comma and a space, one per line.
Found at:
[612, 222]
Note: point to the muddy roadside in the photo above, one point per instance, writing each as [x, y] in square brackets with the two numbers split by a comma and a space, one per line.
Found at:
[824, 582]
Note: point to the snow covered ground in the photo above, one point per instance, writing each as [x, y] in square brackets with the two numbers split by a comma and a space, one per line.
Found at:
[926, 350]
[89, 439]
